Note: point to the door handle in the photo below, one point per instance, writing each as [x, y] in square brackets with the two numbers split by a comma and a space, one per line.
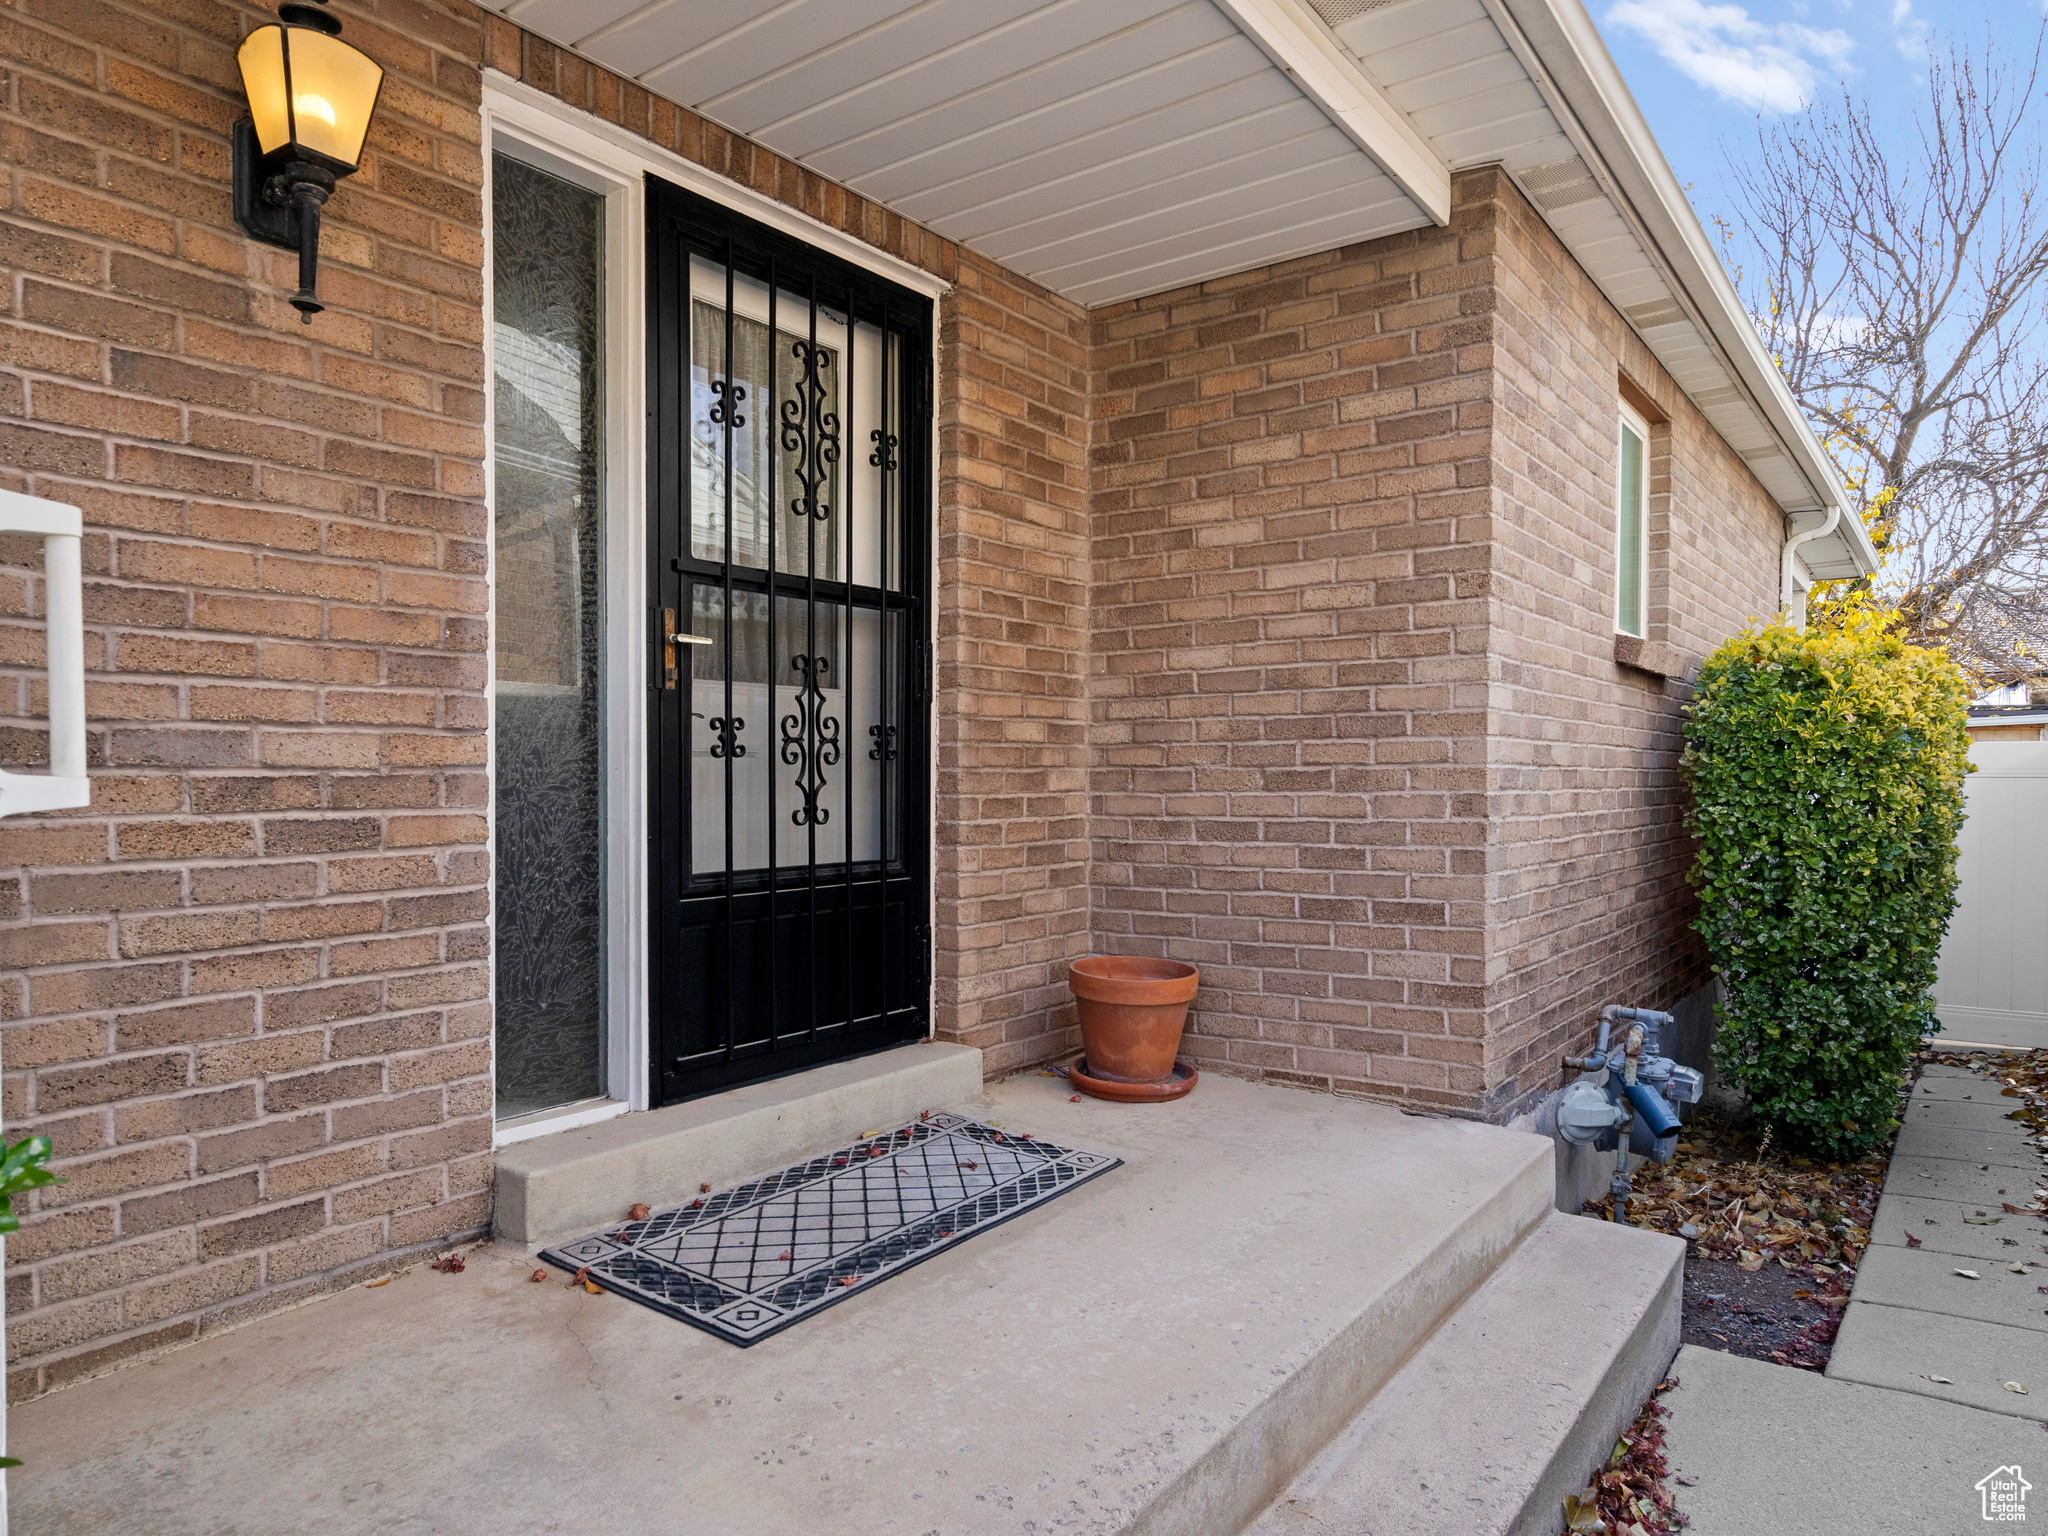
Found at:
[671, 637]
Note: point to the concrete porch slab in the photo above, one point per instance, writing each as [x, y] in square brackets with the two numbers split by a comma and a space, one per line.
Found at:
[558, 1187]
[1158, 1351]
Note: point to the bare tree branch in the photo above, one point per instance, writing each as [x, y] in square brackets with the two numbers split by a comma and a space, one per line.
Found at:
[1902, 296]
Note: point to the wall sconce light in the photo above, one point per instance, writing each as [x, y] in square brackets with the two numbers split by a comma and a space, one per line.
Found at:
[310, 100]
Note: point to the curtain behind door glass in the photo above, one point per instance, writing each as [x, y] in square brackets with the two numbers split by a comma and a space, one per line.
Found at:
[547, 335]
[807, 474]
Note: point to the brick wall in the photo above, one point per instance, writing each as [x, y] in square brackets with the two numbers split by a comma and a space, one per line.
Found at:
[1361, 748]
[247, 992]
[1012, 872]
[247, 987]
[1590, 904]
[1289, 676]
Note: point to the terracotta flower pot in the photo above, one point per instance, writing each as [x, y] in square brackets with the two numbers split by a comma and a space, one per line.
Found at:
[1132, 1013]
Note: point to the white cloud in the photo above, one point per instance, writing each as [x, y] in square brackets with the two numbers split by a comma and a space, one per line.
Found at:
[1910, 32]
[1771, 65]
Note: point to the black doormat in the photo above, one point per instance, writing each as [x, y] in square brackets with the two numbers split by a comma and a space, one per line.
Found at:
[748, 1262]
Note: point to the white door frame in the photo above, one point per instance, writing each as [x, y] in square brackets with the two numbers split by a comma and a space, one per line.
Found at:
[536, 128]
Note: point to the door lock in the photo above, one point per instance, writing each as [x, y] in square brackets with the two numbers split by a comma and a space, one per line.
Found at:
[671, 637]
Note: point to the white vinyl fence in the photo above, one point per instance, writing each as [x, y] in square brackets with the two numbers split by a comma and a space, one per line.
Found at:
[1993, 987]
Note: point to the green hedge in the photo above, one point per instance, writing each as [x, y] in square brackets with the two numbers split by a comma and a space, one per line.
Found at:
[1827, 773]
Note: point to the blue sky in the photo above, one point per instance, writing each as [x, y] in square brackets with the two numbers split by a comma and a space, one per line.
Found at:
[1705, 71]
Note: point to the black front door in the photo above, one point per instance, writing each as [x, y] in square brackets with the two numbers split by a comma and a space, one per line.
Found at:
[790, 479]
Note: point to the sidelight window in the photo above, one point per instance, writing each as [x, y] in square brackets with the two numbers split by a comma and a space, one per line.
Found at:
[549, 471]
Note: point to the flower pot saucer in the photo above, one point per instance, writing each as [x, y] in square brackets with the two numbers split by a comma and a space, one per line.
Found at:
[1177, 1086]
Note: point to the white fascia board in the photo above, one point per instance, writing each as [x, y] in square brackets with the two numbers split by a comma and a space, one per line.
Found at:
[1295, 38]
[1579, 76]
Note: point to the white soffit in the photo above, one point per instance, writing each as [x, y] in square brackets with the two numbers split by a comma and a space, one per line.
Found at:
[1110, 149]
[1528, 85]
[1105, 148]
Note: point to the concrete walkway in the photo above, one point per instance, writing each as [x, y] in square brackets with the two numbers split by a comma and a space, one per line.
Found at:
[1769, 1448]
[1914, 1408]
[1958, 1163]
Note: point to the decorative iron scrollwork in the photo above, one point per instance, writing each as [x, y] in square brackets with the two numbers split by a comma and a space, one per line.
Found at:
[810, 739]
[728, 402]
[727, 730]
[884, 456]
[811, 432]
[884, 749]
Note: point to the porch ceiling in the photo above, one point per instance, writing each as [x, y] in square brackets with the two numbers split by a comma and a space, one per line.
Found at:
[1104, 148]
[1114, 148]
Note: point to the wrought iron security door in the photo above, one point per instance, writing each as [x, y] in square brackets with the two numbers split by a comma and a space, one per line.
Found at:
[790, 476]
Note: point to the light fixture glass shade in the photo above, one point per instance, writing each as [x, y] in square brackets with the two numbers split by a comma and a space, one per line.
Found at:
[310, 91]
[262, 62]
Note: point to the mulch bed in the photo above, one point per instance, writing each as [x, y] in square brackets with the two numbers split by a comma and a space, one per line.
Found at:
[1772, 1240]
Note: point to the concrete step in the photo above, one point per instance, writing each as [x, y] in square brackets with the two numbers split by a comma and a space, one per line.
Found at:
[1510, 1404]
[554, 1188]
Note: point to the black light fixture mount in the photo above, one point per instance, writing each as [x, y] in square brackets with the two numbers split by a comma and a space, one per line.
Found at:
[311, 97]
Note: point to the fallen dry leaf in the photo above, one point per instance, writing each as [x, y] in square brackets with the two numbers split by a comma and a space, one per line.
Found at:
[703, 1189]
[849, 1279]
[924, 1114]
[1913, 1242]
[1750, 1262]
[372, 1285]
[581, 1277]
[2013, 1386]
[1582, 1512]
[449, 1264]
[539, 1275]
[638, 1212]
[782, 1257]
[1073, 1098]
[970, 1167]
[593, 1287]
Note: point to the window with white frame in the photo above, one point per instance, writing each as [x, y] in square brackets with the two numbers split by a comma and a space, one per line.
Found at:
[1632, 527]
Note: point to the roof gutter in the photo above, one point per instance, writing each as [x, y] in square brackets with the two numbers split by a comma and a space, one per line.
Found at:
[1564, 52]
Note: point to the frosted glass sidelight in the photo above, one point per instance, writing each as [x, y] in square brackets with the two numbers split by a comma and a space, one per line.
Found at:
[548, 447]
